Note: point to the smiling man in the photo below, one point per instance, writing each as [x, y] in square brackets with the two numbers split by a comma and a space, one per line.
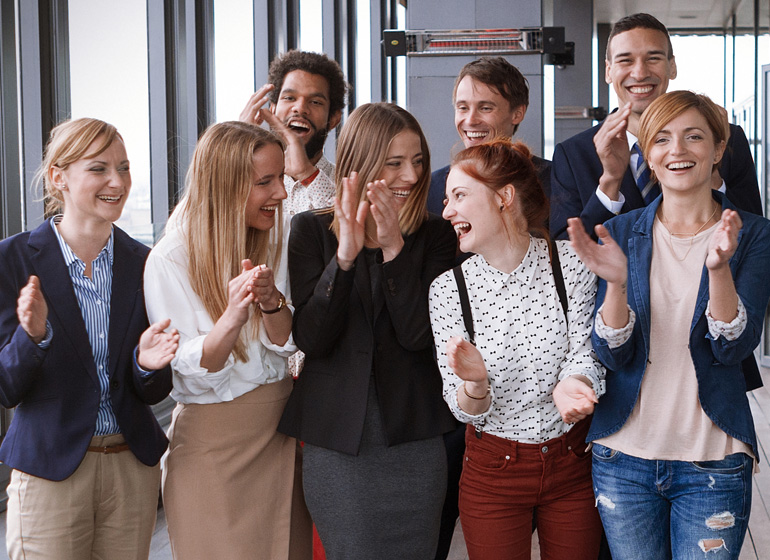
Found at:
[490, 100]
[600, 172]
[307, 93]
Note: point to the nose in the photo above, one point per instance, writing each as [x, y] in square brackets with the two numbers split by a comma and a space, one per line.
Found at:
[409, 175]
[448, 211]
[300, 106]
[473, 115]
[120, 179]
[676, 146]
[279, 193]
[639, 70]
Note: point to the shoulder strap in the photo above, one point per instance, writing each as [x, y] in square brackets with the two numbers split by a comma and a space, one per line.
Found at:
[465, 304]
[558, 278]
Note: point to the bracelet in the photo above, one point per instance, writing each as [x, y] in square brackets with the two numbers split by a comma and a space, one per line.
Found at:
[467, 394]
[281, 305]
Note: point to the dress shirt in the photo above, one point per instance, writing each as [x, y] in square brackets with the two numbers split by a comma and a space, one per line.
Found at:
[94, 295]
[318, 194]
[168, 293]
[522, 335]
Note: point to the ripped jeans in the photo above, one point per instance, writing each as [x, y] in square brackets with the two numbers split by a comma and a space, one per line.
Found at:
[659, 510]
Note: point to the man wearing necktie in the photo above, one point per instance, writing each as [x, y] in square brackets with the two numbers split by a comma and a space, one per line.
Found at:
[600, 172]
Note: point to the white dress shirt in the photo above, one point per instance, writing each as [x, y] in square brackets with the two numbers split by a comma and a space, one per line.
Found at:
[168, 293]
[522, 336]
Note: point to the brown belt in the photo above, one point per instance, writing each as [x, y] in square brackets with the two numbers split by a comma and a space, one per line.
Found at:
[109, 449]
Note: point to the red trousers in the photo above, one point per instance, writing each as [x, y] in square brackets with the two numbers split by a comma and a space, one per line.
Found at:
[505, 485]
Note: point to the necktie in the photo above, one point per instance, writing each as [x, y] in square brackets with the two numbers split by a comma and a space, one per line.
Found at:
[649, 188]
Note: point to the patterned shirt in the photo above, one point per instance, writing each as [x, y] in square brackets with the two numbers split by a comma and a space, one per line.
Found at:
[318, 194]
[522, 335]
[94, 295]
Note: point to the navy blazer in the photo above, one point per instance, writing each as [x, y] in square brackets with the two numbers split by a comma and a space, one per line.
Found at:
[721, 386]
[56, 391]
[347, 340]
[576, 170]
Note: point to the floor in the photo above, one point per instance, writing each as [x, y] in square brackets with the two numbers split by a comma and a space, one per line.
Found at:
[755, 547]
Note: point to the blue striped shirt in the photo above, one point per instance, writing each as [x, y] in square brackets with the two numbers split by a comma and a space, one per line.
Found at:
[93, 295]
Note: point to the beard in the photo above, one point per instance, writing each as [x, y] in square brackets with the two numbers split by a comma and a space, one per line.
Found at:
[316, 142]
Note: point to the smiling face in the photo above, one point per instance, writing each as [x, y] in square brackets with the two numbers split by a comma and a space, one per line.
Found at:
[481, 113]
[639, 68]
[95, 188]
[473, 210]
[267, 190]
[683, 154]
[403, 165]
[303, 106]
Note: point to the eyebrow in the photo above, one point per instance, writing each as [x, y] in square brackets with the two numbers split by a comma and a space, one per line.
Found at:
[104, 162]
[647, 53]
[313, 94]
[483, 101]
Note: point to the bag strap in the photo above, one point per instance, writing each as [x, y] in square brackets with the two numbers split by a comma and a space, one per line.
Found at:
[465, 304]
[558, 278]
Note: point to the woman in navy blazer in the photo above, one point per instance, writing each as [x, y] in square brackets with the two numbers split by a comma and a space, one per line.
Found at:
[80, 364]
[681, 303]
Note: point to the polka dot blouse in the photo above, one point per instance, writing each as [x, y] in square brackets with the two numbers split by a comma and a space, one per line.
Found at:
[522, 334]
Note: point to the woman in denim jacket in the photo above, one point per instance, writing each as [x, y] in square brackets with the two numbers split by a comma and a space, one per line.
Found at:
[673, 437]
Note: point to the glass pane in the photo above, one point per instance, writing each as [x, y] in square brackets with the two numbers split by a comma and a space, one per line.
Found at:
[108, 76]
[233, 57]
[310, 28]
[363, 85]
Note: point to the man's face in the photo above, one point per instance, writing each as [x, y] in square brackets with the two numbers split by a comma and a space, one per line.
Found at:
[303, 106]
[481, 113]
[639, 68]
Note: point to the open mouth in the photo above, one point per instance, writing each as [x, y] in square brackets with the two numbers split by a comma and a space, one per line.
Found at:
[476, 134]
[461, 228]
[680, 165]
[401, 193]
[298, 126]
[106, 198]
[272, 208]
[641, 90]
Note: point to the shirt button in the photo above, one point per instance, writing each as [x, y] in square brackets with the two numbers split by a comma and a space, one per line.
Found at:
[507, 457]
[101, 335]
[544, 449]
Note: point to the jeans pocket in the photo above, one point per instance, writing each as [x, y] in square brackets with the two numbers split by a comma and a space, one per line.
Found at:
[603, 453]
[731, 464]
[485, 459]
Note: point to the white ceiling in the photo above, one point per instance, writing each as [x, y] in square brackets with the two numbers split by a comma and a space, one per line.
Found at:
[688, 14]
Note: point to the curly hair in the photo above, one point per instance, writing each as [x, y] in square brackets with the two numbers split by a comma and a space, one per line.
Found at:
[313, 63]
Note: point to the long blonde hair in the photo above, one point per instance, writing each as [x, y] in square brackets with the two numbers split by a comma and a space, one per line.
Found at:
[212, 212]
[68, 143]
[363, 147]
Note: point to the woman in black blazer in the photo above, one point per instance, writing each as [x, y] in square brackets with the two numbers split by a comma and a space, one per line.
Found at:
[368, 402]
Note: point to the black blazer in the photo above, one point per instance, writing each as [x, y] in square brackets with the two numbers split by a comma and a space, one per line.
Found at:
[346, 341]
[56, 391]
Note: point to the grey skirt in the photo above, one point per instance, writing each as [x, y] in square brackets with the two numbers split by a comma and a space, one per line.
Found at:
[384, 503]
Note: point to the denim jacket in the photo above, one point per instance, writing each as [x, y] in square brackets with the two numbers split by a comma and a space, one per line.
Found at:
[721, 384]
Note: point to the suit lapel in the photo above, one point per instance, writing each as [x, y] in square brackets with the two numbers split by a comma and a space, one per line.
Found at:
[364, 285]
[127, 271]
[631, 192]
[48, 262]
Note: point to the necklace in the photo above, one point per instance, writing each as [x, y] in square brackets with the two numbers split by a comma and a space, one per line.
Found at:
[671, 234]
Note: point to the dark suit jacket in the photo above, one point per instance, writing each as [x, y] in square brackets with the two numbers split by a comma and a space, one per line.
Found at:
[438, 183]
[346, 340]
[576, 170]
[56, 390]
[575, 177]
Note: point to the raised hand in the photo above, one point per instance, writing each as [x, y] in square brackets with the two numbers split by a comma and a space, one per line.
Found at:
[465, 360]
[156, 346]
[266, 295]
[297, 164]
[574, 398]
[612, 148]
[606, 260]
[32, 310]
[251, 112]
[351, 215]
[240, 295]
[724, 240]
[384, 209]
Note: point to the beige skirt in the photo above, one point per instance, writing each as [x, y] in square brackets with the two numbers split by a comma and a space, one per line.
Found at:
[231, 488]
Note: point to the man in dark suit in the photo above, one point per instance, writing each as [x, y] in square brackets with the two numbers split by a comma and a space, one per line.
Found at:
[594, 173]
[490, 99]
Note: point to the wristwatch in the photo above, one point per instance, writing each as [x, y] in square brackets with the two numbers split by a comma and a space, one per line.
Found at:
[281, 304]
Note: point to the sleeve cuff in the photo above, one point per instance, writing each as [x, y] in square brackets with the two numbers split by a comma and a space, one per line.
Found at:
[614, 337]
[46, 342]
[614, 206]
[143, 372]
[732, 330]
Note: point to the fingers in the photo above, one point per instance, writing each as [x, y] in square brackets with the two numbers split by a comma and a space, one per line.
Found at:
[276, 124]
[251, 113]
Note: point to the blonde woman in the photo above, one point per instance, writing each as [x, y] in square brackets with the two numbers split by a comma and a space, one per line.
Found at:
[228, 479]
[76, 364]
[368, 403]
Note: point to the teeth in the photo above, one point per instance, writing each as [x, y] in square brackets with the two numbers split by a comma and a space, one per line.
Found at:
[680, 165]
[298, 124]
[106, 198]
[401, 193]
[269, 208]
[462, 227]
[640, 89]
[475, 134]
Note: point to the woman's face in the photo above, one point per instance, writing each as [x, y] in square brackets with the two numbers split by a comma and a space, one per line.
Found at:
[473, 209]
[403, 165]
[95, 188]
[267, 190]
[683, 153]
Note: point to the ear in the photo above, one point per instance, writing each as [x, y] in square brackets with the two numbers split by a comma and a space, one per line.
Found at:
[672, 72]
[334, 119]
[518, 114]
[56, 177]
[507, 194]
[607, 77]
[719, 151]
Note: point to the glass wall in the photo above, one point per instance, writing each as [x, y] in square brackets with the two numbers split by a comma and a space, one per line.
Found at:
[233, 57]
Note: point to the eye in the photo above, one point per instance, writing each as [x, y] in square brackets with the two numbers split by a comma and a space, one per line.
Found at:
[461, 108]
[487, 109]
[288, 98]
[124, 169]
[417, 162]
[661, 140]
[393, 164]
[318, 103]
[694, 136]
[97, 169]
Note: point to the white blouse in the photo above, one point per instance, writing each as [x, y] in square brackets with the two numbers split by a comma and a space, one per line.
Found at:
[168, 293]
[522, 335]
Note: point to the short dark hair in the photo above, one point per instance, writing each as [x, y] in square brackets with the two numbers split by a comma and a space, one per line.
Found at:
[639, 21]
[498, 73]
[313, 63]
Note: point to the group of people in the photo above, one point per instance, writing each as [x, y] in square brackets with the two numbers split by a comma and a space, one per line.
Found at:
[323, 333]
